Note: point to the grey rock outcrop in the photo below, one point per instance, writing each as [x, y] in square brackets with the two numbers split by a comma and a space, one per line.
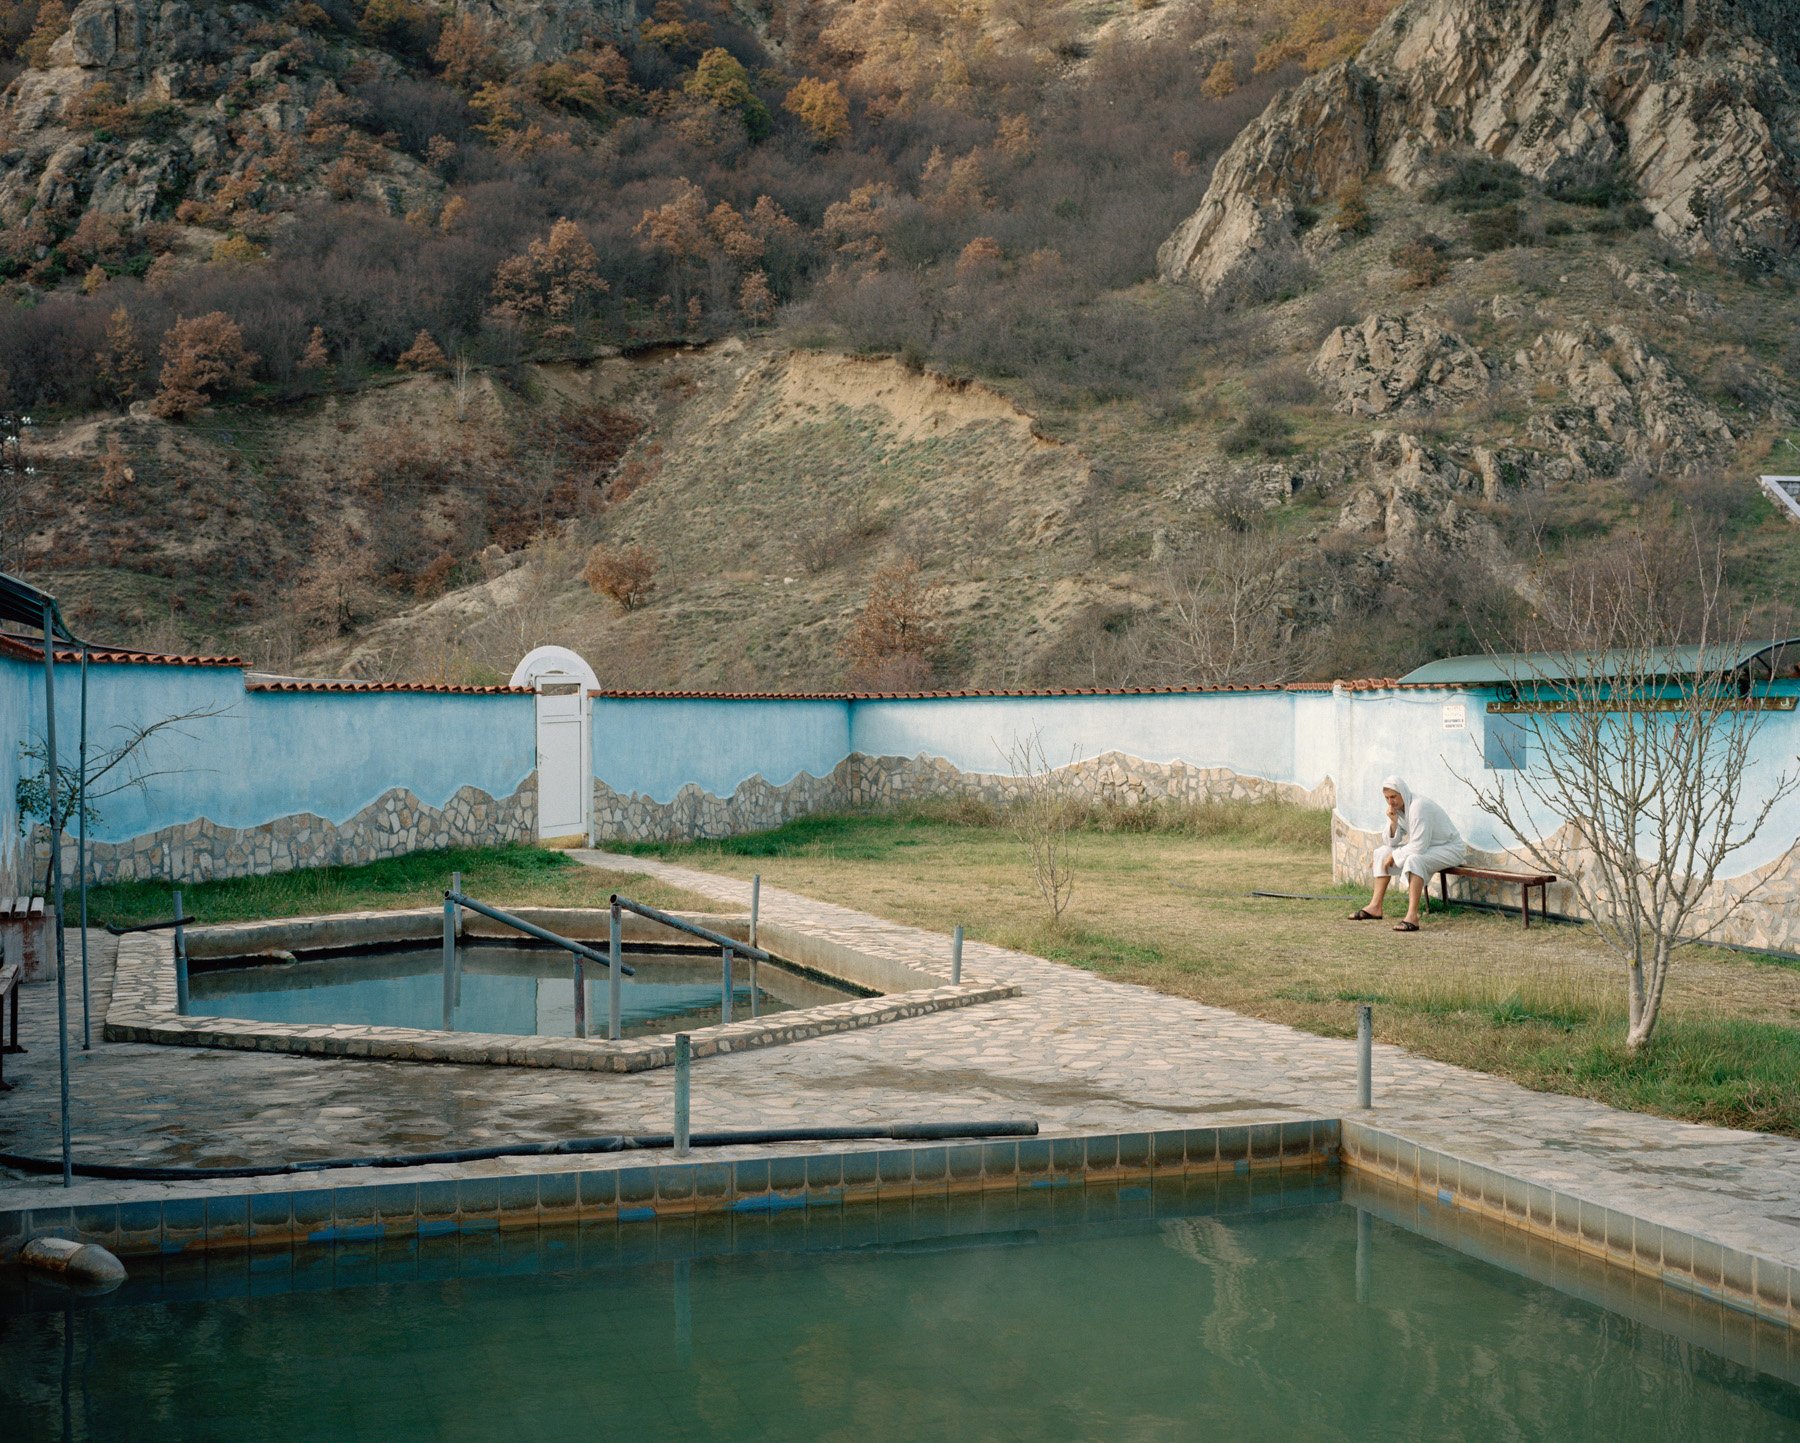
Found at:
[1415, 499]
[1399, 364]
[1696, 101]
[1610, 390]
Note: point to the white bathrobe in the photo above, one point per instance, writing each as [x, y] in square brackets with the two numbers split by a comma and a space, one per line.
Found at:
[1425, 843]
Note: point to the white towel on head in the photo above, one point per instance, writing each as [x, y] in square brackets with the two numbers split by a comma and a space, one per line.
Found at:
[1424, 841]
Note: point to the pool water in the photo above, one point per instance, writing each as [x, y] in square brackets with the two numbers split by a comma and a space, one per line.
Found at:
[518, 991]
[1201, 1309]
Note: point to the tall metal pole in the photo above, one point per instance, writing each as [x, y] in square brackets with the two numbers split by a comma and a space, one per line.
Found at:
[56, 891]
[755, 907]
[81, 877]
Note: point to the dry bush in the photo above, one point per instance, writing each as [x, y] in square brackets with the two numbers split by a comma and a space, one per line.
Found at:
[895, 642]
[1044, 816]
[627, 574]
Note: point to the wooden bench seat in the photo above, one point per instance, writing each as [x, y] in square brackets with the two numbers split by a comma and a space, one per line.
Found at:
[10, 976]
[1524, 881]
[23, 918]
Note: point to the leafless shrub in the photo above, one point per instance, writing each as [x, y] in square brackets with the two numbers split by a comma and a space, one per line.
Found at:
[1044, 817]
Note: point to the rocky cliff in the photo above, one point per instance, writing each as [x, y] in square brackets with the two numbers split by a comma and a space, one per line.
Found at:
[1694, 103]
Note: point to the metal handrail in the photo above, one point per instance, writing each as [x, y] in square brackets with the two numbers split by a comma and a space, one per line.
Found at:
[531, 929]
[706, 934]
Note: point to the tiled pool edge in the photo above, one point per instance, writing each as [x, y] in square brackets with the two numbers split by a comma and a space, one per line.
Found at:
[662, 1187]
[1743, 1281]
[143, 1009]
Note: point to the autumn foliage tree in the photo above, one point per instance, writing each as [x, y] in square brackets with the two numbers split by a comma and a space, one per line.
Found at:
[202, 357]
[821, 107]
[627, 574]
[425, 354]
[552, 284]
[895, 642]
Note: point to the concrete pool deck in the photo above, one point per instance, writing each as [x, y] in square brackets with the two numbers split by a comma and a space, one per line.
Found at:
[1076, 1052]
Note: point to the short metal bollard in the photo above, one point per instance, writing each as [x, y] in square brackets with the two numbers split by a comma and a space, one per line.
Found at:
[1365, 1055]
[614, 965]
[683, 1068]
[956, 956]
[725, 987]
[181, 962]
[449, 965]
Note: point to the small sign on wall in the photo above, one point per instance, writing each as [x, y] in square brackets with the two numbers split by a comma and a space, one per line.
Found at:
[1456, 716]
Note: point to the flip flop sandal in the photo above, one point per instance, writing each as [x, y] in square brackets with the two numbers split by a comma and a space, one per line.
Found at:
[1406, 926]
[1363, 914]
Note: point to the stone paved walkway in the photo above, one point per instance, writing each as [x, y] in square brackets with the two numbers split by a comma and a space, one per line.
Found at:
[1076, 1052]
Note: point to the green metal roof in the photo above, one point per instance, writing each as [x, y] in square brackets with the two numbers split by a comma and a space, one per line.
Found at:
[1510, 668]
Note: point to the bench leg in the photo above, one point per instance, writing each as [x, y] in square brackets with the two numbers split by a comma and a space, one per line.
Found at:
[1525, 905]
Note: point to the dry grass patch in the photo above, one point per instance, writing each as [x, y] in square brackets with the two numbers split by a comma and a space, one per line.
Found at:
[1169, 907]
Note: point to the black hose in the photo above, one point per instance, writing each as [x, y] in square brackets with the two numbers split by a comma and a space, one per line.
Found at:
[623, 1142]
[153, 926]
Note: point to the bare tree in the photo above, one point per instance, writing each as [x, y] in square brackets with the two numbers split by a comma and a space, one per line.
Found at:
[1044, 817]
[119, 766]
[1230, 602]
[1634, 754]
[16, 473]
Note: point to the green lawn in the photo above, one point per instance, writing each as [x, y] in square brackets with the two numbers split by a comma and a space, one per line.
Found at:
[1163, 900]
[504, 876]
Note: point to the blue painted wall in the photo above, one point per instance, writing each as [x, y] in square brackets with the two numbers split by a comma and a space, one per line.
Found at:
[654, 746]
[1251, 733]
[266, 755]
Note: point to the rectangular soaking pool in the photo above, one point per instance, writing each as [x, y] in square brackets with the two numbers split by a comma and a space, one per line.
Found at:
[1218, 1308]
[514, 990]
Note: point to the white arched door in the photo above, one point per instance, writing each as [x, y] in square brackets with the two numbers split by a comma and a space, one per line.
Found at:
[562, 681]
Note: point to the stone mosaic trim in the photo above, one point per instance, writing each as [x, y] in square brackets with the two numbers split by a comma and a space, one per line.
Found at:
[1750, 1284]
[395, 823]
[865, 782]
[281, 1214]
[143, 1010]
[1768, 921]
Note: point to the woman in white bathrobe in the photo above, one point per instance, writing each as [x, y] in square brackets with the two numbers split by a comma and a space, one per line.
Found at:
[1419, 840]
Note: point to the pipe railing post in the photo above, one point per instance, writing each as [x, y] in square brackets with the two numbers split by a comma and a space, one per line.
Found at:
[956, 956]
[449, 965]
[683, 1066]
[1365, 1056]
[457, 964]
[755, 911]
[725, 987]
[580, 996]
[613, 962]
[181, 959]
[456, 887]
[755, 1004]
[1365, 1246]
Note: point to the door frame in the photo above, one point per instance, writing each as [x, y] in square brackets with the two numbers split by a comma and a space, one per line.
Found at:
[557, 665]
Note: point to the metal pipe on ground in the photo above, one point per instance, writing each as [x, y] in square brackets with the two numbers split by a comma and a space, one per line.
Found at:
[571, 1147]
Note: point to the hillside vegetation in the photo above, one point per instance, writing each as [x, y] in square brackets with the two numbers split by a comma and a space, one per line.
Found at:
[800, 344]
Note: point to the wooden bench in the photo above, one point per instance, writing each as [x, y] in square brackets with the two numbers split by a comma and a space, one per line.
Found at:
[9, 987]
[1524, 881]
[23, 917]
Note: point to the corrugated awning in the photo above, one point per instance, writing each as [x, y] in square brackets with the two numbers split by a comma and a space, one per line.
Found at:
[1766, 660]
